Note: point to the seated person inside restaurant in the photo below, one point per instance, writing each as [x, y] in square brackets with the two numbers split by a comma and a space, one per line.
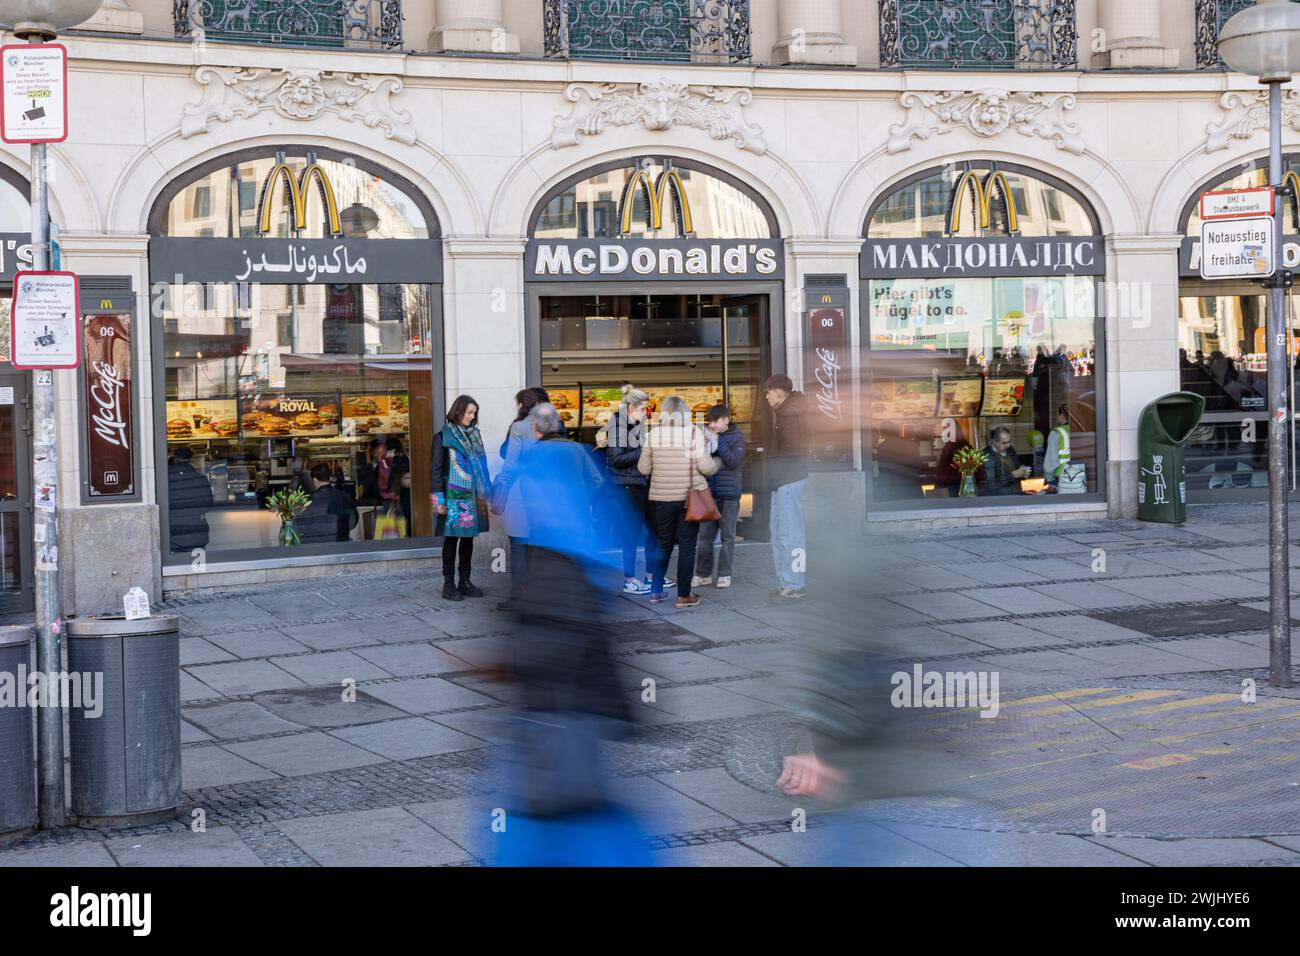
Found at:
[331, 514]
[1002, 471]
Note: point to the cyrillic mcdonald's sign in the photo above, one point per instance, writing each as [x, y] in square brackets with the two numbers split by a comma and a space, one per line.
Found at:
[981, 194]
[667, 183]
[281, 173]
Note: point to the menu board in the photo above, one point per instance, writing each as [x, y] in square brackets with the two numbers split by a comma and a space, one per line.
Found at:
[376, 414]
[960, 397]
[1003, 397]
[900, 400]
[699, 398]
[599, 403]
[203, 419]
[742, 399]
[283, 416]
[565, 401]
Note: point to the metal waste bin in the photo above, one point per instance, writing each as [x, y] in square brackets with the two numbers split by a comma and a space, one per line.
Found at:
[17, 737]
[126, 761]
[1163, 429]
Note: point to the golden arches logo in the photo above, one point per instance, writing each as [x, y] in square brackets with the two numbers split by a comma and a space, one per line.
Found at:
[1290, 188]
[982, 196]
[297, 189]
[667, 184]
[105, 303]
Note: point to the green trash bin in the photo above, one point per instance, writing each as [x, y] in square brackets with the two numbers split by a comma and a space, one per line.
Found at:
[1163, 429]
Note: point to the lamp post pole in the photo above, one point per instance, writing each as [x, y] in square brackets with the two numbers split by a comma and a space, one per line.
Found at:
[1279, 571]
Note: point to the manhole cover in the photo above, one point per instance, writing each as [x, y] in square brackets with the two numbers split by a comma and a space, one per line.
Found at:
[1177, 621]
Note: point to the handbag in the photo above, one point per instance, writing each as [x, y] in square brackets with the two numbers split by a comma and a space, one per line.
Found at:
[391, 524]
[700, 506]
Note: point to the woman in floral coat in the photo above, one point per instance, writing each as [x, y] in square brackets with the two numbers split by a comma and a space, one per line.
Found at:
[459, 479]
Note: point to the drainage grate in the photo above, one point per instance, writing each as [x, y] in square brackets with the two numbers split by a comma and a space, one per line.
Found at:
[1196, 619]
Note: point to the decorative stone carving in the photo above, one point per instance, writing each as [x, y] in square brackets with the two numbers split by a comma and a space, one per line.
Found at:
[232, 93]
[1248, 114]
[660, 105]
[986, 113]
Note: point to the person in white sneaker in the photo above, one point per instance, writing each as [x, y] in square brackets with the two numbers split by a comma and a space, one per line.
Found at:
[727, 444]
[623, 436]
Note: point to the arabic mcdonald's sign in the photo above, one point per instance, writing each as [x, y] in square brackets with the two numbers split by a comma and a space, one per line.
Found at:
[981, 194]
[298, 193]
[668, 184]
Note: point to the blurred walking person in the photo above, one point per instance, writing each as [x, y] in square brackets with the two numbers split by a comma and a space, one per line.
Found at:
[727, 442]
[624, 434]
[558, 803]
[458, 477]
[675, 457]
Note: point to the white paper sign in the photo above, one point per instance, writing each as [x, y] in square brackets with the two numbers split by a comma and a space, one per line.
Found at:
[35, 100]
[1238, 249]
[44, 320]
[7, 395]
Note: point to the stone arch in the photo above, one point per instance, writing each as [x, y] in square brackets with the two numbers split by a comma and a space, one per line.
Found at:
[72, 204]
[1197, 167]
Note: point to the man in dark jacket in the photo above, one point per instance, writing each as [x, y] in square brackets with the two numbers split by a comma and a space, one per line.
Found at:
[727, 442]
[329, 517]
[788, 460]
[189, 497]
[624, 433]
[1002, 471]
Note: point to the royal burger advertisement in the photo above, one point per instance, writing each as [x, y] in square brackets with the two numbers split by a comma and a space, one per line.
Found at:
[565, 401]
[377, 414]
[285, 416]
[202, 420]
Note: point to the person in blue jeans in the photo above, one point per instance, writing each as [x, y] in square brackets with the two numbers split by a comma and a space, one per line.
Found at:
[726, 442]
[788, 460]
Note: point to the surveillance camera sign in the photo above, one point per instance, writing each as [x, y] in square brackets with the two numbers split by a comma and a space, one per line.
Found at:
[44, 321]
[34, 104]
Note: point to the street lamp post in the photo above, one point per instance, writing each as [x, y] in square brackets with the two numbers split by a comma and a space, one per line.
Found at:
[1264, 41]
[39, 21]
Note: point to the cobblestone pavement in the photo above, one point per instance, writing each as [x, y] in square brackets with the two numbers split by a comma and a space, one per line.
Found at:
[1123, 736]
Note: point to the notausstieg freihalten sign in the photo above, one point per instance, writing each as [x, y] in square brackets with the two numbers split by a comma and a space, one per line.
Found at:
[653, 259]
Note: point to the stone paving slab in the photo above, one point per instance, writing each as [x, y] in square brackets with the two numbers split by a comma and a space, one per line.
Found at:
[412, 660]
[303, 753]
[195, 650]
[73, 854]
[944, 606]
[426, 695]
[837, 844]
[713, 854]
[211, 766]
[980, 848]
[330, 669]
[215, 846]
[719, 790]
[1090, 595]
[992, 572]
[251, 645]
[1018, 600]
[387, 837]
[1196, 852]
[233, 719]
[661, 809]
[244, 677]
[407, 738]
[1001, 635]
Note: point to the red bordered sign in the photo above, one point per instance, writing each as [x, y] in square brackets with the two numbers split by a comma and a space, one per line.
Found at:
[44, 327]
[34, 97]
[1237, 203]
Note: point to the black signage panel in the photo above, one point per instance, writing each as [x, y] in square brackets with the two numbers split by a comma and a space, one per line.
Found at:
[296, 261]
[947, 258]
[652, 260]
[828, 369]
[15, 254]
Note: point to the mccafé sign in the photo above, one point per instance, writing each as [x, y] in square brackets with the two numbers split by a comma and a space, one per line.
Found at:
[654, 259]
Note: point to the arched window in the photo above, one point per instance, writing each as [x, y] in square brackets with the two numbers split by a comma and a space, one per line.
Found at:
[657, 198]
[234, 197]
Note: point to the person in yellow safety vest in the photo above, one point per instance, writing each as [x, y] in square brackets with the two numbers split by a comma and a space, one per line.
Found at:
[1057, 455]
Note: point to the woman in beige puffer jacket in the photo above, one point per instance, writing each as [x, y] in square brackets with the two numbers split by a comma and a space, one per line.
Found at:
[675, 456]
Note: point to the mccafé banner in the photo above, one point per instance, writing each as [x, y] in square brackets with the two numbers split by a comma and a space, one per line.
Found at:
[110, 428]
[620, 260]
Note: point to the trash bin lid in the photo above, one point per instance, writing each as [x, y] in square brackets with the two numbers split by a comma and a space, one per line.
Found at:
[1175, 415]
[116, 625]
[16, 634]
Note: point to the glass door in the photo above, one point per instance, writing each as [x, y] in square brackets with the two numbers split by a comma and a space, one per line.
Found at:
[746, 363]
[16, 590]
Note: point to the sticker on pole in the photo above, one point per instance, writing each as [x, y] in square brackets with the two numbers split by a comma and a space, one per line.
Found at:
[34, 104]
[44, 321]
[1238, 249]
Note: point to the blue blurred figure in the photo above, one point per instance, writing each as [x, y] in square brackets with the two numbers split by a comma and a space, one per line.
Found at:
[559, 811]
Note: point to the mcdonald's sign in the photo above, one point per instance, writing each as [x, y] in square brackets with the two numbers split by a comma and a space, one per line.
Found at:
[981, 195]
[667, 184]
[281, 173]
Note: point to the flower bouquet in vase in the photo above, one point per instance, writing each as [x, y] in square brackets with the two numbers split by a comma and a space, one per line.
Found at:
[967, 461]
[288, 505]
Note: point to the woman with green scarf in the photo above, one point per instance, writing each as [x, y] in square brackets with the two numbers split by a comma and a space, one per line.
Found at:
[460, 487]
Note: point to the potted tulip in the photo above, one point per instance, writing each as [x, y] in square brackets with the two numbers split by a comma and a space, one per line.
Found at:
[967, 461]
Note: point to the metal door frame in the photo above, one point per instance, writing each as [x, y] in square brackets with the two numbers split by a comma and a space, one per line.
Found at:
[22, 601]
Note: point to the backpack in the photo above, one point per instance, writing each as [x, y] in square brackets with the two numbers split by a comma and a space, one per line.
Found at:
[1073, 480]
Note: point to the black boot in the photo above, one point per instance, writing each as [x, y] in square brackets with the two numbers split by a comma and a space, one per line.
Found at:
[449, 590]
[468, 589]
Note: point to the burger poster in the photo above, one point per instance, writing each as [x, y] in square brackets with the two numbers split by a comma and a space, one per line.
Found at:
[378, 414]
[203, 419]
[297, 416]
[1003, 397]
[599, 403]
[565, 401]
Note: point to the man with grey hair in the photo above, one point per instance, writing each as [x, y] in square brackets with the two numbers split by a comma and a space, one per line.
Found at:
[546, 422]
[1003, 471]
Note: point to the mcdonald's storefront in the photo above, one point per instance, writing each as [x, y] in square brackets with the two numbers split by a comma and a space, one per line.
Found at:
[297, 322]
[979, 286]
[662, 273]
